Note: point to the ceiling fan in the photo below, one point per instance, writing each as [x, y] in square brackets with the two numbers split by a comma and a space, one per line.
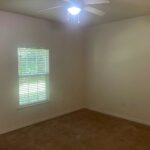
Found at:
[75, 7]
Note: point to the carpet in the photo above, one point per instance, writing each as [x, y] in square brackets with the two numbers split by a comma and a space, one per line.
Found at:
[80, 130]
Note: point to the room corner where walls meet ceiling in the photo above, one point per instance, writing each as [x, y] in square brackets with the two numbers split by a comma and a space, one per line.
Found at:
[115, 10]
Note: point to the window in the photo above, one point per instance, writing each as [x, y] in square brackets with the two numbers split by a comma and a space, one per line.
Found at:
[33, 71]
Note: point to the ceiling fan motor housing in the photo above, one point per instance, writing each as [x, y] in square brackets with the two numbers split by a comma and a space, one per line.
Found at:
[76, 3]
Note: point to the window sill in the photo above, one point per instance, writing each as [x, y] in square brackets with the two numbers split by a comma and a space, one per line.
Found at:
[33, 104]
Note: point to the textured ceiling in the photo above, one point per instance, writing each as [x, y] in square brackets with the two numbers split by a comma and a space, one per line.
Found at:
[115, 10]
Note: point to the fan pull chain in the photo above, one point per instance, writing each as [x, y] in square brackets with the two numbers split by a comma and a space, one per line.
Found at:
[78, 18]
[73, 19]
[68, 17]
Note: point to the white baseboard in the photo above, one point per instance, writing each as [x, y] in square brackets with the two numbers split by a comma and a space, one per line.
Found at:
[137, 120]
[38, 121]
[67, 112]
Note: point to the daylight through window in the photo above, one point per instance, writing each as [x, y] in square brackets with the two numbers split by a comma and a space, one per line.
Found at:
[33, 70]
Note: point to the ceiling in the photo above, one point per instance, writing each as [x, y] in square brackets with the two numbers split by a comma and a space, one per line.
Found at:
[115, 10]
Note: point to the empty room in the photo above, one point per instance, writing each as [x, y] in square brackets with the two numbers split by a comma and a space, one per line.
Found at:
[74, 75]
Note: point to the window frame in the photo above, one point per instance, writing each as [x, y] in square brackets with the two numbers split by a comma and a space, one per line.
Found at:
[47, 80]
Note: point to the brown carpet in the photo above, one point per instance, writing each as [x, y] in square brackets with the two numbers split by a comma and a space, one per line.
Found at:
[81, 130]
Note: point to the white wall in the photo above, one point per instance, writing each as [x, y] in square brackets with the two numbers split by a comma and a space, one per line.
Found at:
[66, 69]
[118, 69]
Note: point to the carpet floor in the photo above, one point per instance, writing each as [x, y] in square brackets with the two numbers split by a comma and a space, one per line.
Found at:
[81, 130]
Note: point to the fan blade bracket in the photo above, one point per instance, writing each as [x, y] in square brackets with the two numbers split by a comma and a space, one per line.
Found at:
[92, 2]
[94, 11]
[51, 8]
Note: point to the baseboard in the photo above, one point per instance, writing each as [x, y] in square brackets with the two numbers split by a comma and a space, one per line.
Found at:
[76, 109]
[137, 120]
[38, 121]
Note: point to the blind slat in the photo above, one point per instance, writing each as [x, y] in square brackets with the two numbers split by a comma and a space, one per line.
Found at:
[33, 71]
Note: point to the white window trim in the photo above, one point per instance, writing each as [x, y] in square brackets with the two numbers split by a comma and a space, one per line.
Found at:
[44, 101]
[33, 104]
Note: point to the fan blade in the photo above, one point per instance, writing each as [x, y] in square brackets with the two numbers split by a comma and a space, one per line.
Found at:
[51, 8]
[94, 11]
[90, 2]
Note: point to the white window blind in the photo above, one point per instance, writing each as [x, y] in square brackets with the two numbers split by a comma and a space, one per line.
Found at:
[33, 70]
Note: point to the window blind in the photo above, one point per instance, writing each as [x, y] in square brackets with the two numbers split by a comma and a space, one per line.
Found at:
[33, 70]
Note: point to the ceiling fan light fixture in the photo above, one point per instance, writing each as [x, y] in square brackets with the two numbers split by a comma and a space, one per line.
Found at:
[74, 10]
